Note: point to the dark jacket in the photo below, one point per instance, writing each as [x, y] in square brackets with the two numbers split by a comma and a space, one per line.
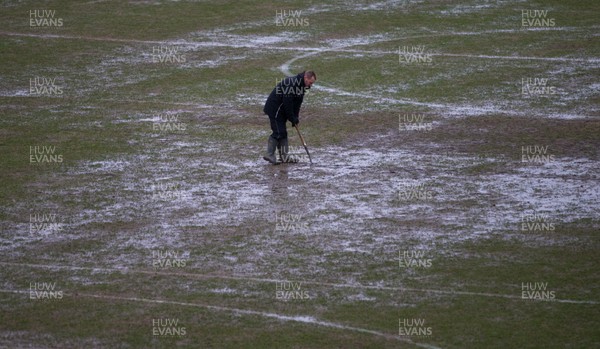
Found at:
[286, 98]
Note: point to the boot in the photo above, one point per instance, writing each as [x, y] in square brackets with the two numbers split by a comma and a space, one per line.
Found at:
[283, 149]
[270, 157]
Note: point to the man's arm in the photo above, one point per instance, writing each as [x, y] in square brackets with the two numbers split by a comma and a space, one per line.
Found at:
[289, 94]
[288, 106]
[297, 106]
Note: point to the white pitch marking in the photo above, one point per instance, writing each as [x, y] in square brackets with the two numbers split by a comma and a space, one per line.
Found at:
[329, 284]
[298, 318]
[338, 49]
[456, 109]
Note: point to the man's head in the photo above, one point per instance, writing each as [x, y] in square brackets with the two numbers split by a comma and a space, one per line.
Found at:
[309, 78]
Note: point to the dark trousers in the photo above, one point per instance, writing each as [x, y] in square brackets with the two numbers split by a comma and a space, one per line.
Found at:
[278, 127]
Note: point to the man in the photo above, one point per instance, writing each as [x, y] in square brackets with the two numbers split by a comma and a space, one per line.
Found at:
[283, 105]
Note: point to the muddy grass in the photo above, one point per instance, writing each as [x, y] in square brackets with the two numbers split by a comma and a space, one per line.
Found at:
[165, 160]
[348, 217]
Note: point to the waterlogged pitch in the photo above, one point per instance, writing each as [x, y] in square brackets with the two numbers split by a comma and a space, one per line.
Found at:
[452, 201]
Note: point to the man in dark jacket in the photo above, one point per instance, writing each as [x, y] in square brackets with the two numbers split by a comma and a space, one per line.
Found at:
[283, 105]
